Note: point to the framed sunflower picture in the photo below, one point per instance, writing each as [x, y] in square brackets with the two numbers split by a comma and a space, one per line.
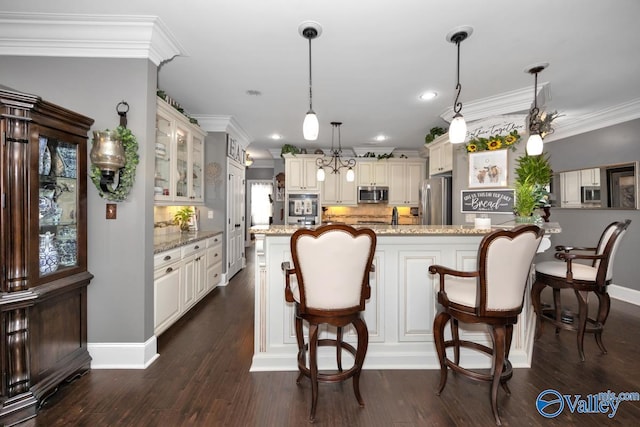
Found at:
[488, 169]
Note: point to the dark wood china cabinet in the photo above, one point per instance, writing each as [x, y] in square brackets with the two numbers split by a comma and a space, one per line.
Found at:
[43, 251]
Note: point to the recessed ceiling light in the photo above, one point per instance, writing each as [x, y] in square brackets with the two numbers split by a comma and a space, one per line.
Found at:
[428, 95]
[380, 138]
[276, 136]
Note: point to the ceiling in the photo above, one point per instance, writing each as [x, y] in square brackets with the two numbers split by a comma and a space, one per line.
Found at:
[374, 58]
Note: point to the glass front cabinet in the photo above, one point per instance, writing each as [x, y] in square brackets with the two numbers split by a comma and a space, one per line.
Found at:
[179, 158]
[43, 234]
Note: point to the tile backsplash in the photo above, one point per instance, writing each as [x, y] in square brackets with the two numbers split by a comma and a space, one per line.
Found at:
[163, 219]
[374, 212]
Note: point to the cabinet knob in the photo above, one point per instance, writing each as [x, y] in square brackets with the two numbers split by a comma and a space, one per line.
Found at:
[196, 247]
[169, 270]
[167, 257]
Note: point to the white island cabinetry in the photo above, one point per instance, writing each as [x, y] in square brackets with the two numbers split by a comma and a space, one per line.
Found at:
[402, 306]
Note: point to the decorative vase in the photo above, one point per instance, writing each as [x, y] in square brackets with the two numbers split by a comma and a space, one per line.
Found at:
[48, 254]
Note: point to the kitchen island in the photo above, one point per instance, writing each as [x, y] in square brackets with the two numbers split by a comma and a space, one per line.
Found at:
[403, 301]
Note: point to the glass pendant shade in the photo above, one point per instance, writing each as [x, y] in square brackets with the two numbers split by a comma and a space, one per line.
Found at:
[310, 127]
[351, 175]
[534, 145]
[457, 129]
[320, 174]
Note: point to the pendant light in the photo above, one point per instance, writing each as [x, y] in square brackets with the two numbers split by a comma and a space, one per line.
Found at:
[310, 127]
[534, 143]
[458, 127]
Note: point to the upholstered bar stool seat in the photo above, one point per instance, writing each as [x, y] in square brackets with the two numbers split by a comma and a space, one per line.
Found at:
[583, 270]
[492, 295]
[329, 284]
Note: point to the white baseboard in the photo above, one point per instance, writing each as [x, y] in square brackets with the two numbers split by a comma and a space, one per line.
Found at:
[624, 294]
[123, 355]
[142, 355]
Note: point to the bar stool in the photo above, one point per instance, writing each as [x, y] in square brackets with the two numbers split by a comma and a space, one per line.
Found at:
[329, 284]
[492, 295]
[569, 273]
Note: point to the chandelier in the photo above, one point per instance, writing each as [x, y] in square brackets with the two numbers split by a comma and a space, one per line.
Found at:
[335, 162]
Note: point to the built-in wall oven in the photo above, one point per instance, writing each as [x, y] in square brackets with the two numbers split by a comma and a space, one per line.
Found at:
[302, 209]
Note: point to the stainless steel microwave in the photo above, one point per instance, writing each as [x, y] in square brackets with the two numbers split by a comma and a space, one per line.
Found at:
[373, 194]
[590, 195]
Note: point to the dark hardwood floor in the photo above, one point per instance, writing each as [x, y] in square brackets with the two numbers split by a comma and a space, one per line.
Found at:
[202, 378]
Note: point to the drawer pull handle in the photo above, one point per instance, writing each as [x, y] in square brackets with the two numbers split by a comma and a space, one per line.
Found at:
[167, 257]
[169, 270]
[196, 247]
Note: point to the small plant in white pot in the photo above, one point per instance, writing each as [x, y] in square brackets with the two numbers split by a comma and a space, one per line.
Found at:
[183, 218]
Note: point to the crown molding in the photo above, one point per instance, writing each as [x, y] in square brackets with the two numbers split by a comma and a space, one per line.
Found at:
[87, 36]
[571, 125]
[220, 123]
[504, 103]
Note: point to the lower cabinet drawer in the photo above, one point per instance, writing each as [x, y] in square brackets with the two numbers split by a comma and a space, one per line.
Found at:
[214, 275]
[165, 258]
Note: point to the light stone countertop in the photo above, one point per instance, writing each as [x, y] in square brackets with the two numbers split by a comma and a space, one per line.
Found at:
[414, 230]
[168, 241]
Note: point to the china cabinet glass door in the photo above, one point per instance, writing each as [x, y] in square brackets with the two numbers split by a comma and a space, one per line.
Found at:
[57, 205]
[182, 163]
[197, 178]
[162, 181]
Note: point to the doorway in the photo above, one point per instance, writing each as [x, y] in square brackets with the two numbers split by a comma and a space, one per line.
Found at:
[259, 205]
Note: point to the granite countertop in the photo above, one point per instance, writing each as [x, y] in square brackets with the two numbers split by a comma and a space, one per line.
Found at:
[415, 230]
[168, 241]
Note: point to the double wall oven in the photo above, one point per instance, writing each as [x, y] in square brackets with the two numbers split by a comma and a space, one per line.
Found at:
[303, 209]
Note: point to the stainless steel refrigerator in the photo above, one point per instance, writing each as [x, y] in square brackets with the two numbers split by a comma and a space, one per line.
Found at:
[435, 201]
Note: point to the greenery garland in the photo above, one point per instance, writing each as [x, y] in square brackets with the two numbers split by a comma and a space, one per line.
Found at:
[495, 142]
[127, 174]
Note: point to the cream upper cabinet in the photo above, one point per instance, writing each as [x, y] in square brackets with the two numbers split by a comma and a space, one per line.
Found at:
[179, 158]
[570, 189]
[440, 155]
[300, 173]
[337, 191]
[590, 177]
[405, 177]
[372, 172]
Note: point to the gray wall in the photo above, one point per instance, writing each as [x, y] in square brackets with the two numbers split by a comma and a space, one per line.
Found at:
[120, 297]
[611, 145]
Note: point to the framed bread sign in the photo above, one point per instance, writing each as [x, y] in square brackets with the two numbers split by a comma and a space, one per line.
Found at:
[487, 201]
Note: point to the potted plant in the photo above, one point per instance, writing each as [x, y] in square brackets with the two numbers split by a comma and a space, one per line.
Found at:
[289, 149]
[183, 217]
[433, 134]
[533, 175]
